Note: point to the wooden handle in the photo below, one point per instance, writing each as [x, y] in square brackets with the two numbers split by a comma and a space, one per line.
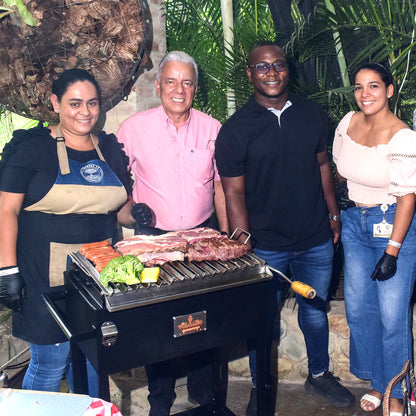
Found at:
[303, 289]
[298, 287]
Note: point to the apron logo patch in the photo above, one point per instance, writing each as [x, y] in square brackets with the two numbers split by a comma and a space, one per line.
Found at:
[92, 173]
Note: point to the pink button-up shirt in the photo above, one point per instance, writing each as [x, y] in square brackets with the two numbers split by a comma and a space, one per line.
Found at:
[174, 171]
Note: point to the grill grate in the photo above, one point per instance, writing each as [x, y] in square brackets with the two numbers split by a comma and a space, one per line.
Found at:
[178, 279]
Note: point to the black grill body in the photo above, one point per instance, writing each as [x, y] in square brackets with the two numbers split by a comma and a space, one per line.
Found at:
[141, 332]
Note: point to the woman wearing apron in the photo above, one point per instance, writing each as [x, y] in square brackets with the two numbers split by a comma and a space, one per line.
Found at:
[60, 187]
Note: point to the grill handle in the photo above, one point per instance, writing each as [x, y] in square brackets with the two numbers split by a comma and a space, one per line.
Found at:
[56, 314]
[93, 303]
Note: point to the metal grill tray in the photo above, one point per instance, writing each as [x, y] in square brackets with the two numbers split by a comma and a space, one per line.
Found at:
[179, 279]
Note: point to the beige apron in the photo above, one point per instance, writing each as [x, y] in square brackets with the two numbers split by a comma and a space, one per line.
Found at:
[80, 188]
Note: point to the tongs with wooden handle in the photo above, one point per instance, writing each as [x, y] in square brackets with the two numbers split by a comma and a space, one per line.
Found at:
[298, 287]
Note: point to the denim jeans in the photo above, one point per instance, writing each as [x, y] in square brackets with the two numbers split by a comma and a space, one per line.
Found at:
[313, 267]
[47, 366]
[378, 312]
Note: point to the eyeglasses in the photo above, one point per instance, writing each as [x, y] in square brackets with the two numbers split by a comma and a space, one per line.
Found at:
[264, 67]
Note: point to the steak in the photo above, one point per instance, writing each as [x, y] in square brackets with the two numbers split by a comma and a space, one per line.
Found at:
[197, 233]
[197, 244]
[222, 248]
[171, 241]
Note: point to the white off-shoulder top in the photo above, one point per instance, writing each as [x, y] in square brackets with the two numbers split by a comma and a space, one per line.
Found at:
[376, 175]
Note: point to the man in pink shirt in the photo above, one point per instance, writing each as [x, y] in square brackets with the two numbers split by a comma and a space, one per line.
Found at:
[171, 153]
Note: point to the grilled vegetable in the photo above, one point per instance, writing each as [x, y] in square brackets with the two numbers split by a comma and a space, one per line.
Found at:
[124, 269]
[150, 274]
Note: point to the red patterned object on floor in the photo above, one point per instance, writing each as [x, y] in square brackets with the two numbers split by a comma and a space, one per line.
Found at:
[102, 408]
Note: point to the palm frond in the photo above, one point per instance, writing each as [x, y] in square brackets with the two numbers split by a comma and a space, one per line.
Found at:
[376, 30]
[195, 26]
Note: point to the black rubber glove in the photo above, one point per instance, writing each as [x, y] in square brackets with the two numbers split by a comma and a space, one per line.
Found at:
[143, 215]
[385, 268]
[341, 196]
[12, 288]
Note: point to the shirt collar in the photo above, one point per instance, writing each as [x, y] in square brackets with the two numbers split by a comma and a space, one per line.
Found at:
[169, 122]
[277, 112]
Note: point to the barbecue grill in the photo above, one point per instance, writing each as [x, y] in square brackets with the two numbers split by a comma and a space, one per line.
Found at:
[195, 306]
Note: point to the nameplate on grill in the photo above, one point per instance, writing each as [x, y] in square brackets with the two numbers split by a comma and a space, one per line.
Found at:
[189, 324]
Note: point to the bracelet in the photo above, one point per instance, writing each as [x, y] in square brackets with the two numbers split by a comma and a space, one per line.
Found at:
[334, 217]
[394, 244]
[7, 271]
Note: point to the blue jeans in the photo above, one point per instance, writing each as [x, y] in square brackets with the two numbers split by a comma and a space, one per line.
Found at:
[47, 366]
[378, 313]
[313, 267]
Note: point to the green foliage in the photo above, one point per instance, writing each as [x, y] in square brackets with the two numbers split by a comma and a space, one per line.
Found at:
[4, 11]
[331, 44]
[369, 30]
[21, 9]
[195, 26]
[10, 122]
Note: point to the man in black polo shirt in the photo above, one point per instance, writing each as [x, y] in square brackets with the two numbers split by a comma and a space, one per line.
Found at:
[272, 159]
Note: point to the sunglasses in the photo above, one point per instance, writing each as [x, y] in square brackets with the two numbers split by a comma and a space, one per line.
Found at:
[264, 67]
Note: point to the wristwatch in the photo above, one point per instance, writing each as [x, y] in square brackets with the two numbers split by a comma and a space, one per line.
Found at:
[334, 217]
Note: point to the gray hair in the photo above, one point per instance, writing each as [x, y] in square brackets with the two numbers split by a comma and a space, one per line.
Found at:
[177, 56]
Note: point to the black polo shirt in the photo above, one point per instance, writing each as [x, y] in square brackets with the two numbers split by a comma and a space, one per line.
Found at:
[284, 194]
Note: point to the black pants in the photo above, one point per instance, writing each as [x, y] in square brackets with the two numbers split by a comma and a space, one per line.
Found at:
[162, 376]
[199, 368]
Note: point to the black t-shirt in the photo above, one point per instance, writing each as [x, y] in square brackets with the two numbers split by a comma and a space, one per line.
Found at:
[284, 194]
[31, 164]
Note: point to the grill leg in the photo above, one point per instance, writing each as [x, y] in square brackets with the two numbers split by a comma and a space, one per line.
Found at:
[263, 399]
[104, 386]
[220, 375]
[79, 369]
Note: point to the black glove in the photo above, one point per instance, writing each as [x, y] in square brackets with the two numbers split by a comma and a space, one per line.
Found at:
[12, 288]
[143, 215]
[341, 196]
[385, 268]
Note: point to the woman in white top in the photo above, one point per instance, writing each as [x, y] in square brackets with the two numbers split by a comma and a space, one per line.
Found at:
[375, 153]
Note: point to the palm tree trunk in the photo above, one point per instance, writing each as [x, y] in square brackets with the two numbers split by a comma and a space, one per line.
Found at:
[228, 25]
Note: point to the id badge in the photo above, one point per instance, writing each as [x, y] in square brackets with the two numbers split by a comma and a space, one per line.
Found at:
[383, 229]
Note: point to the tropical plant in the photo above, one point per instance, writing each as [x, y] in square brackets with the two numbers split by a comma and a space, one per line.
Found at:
[21, 10]
[358, 31]
[10, 122]
[195, 26]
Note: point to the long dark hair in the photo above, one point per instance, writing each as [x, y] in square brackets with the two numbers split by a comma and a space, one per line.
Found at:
[71, 76]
